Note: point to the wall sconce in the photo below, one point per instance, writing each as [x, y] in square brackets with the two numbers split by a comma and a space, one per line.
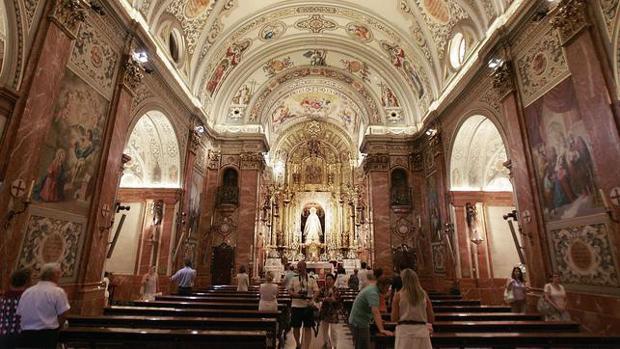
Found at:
[431, 132]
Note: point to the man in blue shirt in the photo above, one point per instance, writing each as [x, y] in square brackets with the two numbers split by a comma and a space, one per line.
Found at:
[365, 308]
[185, 278]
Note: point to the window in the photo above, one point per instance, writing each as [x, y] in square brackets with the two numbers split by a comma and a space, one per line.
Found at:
[458, 47]
[173, 47]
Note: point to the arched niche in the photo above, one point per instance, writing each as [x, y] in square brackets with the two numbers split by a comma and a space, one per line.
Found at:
[155, 157]
[399, 188]
[478, 154]
[228, 192]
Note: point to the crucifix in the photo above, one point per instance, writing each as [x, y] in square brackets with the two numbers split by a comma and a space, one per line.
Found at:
[18, 188]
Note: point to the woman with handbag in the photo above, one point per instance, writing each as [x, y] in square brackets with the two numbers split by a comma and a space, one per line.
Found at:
[514, 294]
[329, 298]
[413, 310]
[554, 299]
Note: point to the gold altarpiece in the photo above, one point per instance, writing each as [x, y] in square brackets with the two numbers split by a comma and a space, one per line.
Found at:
[313, 166]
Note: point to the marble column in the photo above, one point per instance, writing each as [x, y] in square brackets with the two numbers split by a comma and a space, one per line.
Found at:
[110, 169]
[208, 211]
[183, 227]
[377, 167]
[166, 247]
[521, 166]
[251, 165]
[33, 114]
[464, 246]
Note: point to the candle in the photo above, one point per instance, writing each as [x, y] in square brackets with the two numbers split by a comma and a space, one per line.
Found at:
[604, 198]
[29, 196]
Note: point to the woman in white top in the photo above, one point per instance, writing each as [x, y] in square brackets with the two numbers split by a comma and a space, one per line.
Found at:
[414, 313]
[149, 284]
[341, 278]
[268, 295]
[555, 296]
[243, 279]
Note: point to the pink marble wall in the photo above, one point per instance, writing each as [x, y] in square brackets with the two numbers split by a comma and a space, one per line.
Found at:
[380, 196]
[206, 242]
[247, 216]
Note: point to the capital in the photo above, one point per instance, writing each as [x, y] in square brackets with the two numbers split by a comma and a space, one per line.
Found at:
[252, 161]
[133, 73]
[68, 15]
[569, 17]
[503, 78]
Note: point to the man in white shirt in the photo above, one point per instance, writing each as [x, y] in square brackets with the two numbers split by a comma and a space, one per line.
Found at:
[302, 289]
[362, 276]
[42, 308]
[185, 278]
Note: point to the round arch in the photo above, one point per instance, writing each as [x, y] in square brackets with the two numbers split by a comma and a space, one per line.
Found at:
[477, 155]
[155, 153]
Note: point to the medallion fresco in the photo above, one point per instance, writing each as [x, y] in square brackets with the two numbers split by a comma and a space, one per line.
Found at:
[70, 154]
[562, 154]
[583, 255]
[232, 58]
[52, 239]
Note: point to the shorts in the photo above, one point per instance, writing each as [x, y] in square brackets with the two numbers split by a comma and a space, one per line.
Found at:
[302, 315]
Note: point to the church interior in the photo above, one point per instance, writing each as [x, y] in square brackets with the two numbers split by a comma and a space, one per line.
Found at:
[459, 138]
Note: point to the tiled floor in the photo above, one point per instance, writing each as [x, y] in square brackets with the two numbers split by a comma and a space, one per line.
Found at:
[342, 336]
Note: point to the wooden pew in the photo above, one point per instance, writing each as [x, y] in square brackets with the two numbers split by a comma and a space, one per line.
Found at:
[97, 337]
[480, 317]
[471, 309]
[188, 312]
[500, 326]
[513, 340]
[204, 305]
[269, 325]
[208, 299]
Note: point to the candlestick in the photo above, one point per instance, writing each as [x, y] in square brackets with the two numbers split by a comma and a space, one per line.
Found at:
[604, 198]
[29, 196]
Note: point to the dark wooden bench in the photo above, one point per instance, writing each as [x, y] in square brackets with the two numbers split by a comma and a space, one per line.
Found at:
[270, 326]
[512, 340]
[187, 312]
[487, 317]
[207, 299]
[205, 305]
[471, 309]
[459, 302]
[500, 326]
[97, 337]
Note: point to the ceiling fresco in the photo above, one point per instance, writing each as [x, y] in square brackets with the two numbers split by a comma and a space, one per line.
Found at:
[233, 55]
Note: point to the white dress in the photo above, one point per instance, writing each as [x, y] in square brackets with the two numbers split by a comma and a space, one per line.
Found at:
[150, 287]
[410, 336]
[243, 282]
[313, 230]
[268, 301]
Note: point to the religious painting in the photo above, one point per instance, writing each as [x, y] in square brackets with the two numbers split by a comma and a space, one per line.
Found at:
[439, 257]
[359, 32]
[195, 192]
[388, 98]
[317, 57]
[274, 66]
[357, 67]
[433, 208]
[231, 59]
[242, 97]
[195, 8]
[396, 53]
[281, 114]
[313, 170]
[272, 31]
[70, 155]
[52, 237]
[582, 252]
[562, 155]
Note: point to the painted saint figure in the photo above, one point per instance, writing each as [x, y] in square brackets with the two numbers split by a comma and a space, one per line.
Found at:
[312, 230]
[51, 188]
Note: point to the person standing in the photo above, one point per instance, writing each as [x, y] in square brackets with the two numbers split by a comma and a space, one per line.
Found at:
[516, 286]
[302, 290]
[9, 320]
[555, 296]
[288, 276]
[365, 308]
[42, 308]
[268, 294]
[243, 279]
[341, 278]
[329, 297]
[184, 278]
[413, 311]
[149, 284]
[362, 276]
[354, 281]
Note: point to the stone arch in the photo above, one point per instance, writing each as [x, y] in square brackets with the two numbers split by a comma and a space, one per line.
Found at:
[477, 155]
[12, 37]
[155, 151]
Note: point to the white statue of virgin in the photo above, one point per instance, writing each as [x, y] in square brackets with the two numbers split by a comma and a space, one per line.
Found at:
[312, 230]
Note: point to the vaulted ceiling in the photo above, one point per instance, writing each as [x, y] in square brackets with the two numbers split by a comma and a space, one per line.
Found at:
[363, 65]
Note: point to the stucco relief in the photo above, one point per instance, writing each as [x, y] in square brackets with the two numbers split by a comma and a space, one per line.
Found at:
[540, 63]
[95, 58]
